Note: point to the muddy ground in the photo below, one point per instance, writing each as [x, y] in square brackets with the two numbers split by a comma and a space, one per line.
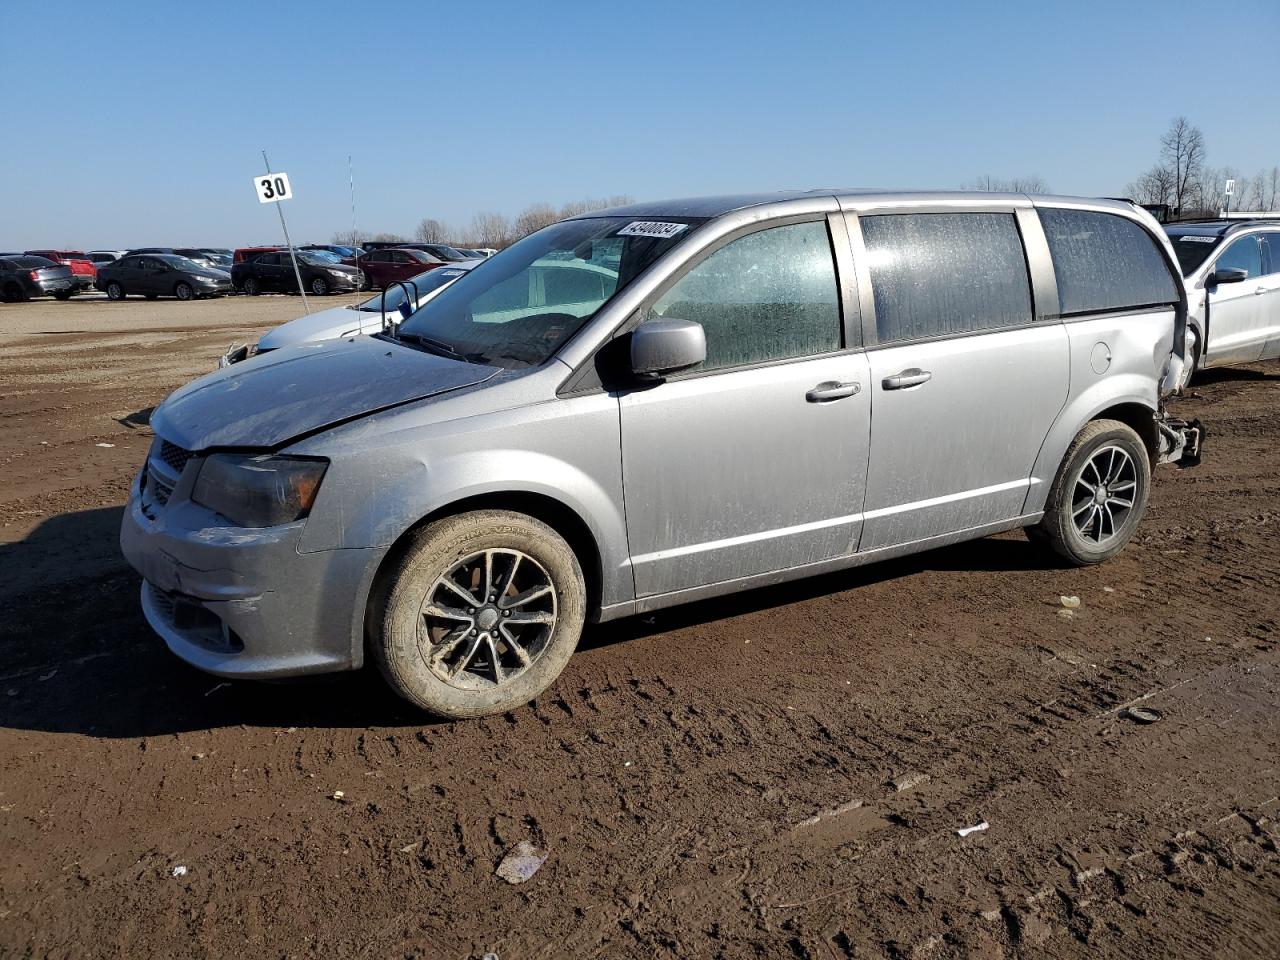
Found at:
[778, 774]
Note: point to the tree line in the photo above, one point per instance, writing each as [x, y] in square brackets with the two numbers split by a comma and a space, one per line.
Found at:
[1181, 178]
[488, 229]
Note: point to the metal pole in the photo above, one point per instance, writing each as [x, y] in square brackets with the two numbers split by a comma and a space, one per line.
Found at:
[293, 258]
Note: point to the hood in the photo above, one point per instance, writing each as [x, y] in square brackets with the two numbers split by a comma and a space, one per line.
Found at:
[270, 400]
[324, 325]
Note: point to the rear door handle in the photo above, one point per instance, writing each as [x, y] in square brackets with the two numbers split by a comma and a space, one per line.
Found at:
[832, 390]
[907, 378]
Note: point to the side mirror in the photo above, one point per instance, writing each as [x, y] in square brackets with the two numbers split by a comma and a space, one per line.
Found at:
[667, 345]
[1228, 275]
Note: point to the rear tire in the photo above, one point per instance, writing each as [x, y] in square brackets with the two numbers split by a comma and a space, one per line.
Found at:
[252, 287]
[13, 293]
[64, 295]
[491, 652]
[1099, 496]
[115, 291]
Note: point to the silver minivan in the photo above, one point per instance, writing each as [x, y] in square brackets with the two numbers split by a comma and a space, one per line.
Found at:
[710, 395]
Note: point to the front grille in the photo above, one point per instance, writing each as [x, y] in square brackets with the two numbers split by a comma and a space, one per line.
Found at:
[174, 456]
[160, 490]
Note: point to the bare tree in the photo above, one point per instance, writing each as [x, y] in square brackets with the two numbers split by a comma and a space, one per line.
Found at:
[430, 230]
[990, 184]
[534, 217]
[388, 238]
[350, 238]
[576, 208]
[1154, 186]
[489, 230]
[1182, 149]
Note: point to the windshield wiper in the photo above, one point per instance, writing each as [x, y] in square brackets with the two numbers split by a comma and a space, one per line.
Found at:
[433, 345]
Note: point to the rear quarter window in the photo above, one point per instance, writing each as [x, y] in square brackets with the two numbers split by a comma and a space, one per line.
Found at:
[1105, 262]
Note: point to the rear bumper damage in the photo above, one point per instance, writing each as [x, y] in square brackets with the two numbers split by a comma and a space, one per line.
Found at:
[1181, 441]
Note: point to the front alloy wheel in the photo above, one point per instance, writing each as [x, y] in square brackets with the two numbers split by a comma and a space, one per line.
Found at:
[480, 613]
[487, 619]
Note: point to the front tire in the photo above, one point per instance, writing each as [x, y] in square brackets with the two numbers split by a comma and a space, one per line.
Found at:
[481, 614]
[184, 291]
[320, 286]
[1099, 495]
[115, 291]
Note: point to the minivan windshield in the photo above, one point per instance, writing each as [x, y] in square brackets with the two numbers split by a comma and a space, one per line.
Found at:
[530, 298]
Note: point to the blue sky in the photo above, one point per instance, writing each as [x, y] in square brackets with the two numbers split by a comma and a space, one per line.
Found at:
[143, 124]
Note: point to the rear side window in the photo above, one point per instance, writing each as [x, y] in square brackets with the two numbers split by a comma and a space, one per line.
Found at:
[940, 274]
[770, 295]
[1105, 262]
[1243, 254]
[1271, 242]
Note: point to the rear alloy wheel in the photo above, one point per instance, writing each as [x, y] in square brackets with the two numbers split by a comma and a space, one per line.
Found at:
[252, 287]
[481, 614]
[1099, 494]
[183, 291]
[320, 286]
[115, 291]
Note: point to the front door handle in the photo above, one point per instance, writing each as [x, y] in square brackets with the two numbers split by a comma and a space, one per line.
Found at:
[832, 390]
[907, 378]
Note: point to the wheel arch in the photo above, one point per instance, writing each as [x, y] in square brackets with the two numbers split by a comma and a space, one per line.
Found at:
[556, 514]
[1129, 407]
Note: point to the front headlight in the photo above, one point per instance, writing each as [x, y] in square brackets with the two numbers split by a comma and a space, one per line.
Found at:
[258, 490]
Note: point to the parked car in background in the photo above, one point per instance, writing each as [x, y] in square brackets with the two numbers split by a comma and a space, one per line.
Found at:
[83, 269]
[155, 275]
[394, 305]
[99, 257]
[656, 404]
[322, 273]
[441, 251]
[244, 254]
[1232, 272]
[478, 251]
[381, 267]
[23, 277]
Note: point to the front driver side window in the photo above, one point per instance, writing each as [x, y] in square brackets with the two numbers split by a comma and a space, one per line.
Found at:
[1243, 254]
[771, 295]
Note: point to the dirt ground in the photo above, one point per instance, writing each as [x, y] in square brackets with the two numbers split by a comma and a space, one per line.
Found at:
[777, 774]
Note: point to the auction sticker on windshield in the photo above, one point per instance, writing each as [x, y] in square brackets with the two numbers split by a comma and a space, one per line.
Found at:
[652, 228]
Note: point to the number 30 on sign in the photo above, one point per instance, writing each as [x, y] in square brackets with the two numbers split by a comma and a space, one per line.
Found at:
[272, 187]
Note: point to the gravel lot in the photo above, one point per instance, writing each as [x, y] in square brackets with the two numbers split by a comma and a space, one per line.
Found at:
[776, 774]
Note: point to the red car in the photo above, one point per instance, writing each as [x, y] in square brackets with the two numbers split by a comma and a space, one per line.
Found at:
[382, 267]
[249, 253]
[83, 270]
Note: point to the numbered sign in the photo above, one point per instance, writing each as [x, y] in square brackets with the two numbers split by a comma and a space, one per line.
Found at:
[1231, 187]
[272, 187]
